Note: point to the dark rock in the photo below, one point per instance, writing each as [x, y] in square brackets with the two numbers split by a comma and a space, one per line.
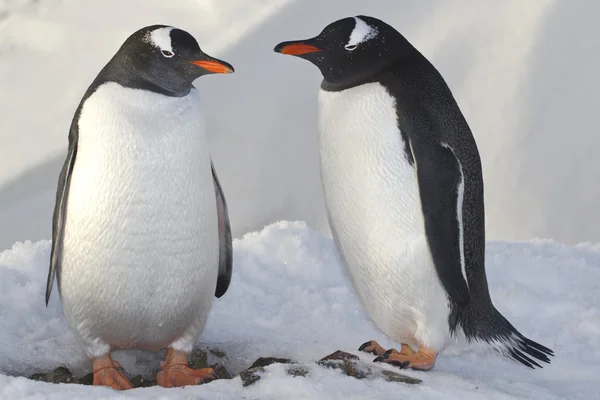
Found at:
[392, 376]
[138, 381]
[251, 375]
[218, 353]
[351, 365]
[221, 371]
[198, 359]
[38, 377]
[347, 367]
[340, 355]
[59, 375]
[87, 379]
[344, 361]
[265, 361]
[297, 370]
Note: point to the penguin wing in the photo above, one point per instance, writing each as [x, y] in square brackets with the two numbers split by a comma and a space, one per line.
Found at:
[225, 240]
[441, 186]
[60, 209]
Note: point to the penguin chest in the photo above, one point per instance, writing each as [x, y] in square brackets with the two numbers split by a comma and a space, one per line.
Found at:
[140, 248]
[374, 209]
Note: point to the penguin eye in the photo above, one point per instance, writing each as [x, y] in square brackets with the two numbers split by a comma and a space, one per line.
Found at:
[350, 47]
[167, 53]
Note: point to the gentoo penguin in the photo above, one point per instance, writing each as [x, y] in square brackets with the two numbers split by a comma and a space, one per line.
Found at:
[141, 240]
[403, 188]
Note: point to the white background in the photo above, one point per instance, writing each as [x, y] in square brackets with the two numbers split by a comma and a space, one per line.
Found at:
[525, 74]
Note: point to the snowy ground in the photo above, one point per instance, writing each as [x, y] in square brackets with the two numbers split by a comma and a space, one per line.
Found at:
[289, 298]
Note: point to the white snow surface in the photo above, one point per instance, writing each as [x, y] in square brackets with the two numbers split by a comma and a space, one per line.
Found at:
[289, 297]
[525, 74]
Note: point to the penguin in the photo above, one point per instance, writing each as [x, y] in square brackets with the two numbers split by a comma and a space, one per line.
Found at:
[141, 238]
[403, 187]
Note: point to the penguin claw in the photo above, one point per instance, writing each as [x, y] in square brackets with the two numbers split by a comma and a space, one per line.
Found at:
[399, 364]
[372, 347]
[365, 344]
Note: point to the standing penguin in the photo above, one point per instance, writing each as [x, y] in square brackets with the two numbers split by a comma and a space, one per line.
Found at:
[141, 235]
[403, 188]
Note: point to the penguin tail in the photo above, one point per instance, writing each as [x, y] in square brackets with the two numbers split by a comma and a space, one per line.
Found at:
[505, 339]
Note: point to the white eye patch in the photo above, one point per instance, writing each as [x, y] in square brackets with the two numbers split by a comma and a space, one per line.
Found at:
[361, 33]
[161, 38]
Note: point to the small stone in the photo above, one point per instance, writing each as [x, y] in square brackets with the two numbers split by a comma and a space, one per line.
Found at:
[59, 375]
[63, 375]
[297, 370]
[392, 376]
[198, 359]
[87, 379]
[218, 353]
[343, 361]
[265, 361]
[37, 376]
[138, 381]
[340, 355]
[251, 375]
[347, 367]
[221, 371]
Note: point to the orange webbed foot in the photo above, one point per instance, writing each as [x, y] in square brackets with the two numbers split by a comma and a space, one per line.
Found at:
[175, 371]
[107, 374]
[423, 359]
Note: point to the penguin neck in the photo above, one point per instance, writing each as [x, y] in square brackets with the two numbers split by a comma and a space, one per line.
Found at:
[135, 79]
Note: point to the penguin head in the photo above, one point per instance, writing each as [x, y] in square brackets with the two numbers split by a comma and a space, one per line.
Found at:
[351, 50]
[162, 58]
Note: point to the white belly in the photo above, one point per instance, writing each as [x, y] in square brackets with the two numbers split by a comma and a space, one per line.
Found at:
[373, 205]
[141, 243]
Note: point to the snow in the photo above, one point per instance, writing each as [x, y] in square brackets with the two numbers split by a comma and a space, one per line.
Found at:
[524, 73]
[289, 297]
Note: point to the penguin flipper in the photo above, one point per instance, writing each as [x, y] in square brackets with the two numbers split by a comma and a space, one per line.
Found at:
[225, 239]
[60, 209]
[441, 187]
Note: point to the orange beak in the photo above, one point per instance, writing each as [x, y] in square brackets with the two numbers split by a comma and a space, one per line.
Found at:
[217, 67]
[296, 49]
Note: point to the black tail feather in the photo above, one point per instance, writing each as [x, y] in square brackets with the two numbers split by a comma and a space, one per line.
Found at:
[504, 338]
[524, 350]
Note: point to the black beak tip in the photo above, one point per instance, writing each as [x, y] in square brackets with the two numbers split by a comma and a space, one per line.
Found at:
[279, 47]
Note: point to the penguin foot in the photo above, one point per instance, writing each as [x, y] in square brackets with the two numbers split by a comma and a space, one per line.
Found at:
[422, 360]
[107, 374]
[175, 372]
[372, 347]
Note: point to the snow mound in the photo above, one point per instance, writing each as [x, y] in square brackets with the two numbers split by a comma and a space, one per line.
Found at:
[290, 298]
